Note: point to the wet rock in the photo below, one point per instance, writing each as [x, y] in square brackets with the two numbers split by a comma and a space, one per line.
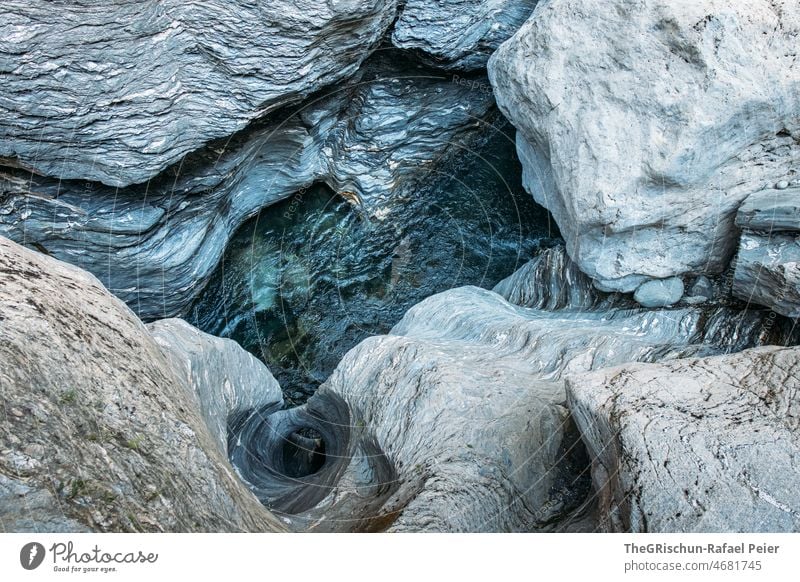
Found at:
[644, 139]
[699, 445]
[458, 34]
[110, 438]
[659, 293]
[154, 246]
[456, 420]
[117, 93]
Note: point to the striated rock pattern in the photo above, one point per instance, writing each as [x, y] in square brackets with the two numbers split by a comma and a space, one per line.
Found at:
[226, 380]
[768, 264]
[154, 246]
[644, 138]
[458, 34]
[457, 420]
[97, 432]
[699, 445]
[118, 92]
[551, 281]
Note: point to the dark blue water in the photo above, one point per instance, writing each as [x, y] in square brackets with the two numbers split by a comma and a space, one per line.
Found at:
[309, 278]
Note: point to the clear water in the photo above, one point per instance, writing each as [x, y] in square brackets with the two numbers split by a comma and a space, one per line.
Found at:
[309, 278]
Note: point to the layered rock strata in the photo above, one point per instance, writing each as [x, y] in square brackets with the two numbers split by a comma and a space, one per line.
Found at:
[118, 92]
[697, 445]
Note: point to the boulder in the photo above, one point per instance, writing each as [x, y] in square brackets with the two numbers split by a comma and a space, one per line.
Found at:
[659, 292]
[643, 126]
[458, 34]
[99, 431]
[694, 445]
[117, 93]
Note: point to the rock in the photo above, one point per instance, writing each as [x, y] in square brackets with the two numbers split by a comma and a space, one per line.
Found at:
[770, 211]
[458, 34]
[117, 93]
[226, 380]
[768, 271]
[699, 445]
[659, 293]
[782, 185]
[551, 281]
[155, 246]
[702, 288]
[767, 268]
[455, 421]
[110, 439]
[644, 138]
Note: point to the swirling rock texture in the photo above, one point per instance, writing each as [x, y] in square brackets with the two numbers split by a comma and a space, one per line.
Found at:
[156, 245]
[225, 379]
[117, 92]
[457, 420]
[458, 34]
[645, 138]
[695, 445]
[97, 432]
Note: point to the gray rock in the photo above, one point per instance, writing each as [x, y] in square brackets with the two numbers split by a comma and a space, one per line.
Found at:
[645, 137]
[456, 420]
[117, 93]
[97, 430]
[702, 288]
[708, 445]
[768, 271]
[771, 210]
[659, 293]
[227, 380]
[552, 281]
[459, 34]
[155, 246]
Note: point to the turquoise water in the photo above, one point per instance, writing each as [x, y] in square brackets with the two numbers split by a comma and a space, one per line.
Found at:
[307, 279]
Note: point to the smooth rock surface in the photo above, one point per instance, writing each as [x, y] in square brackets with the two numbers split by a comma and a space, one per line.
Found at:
[644, 138]
[456, 420]
[226, 379]
[458, 34]
[699, 445]
[96, 430]
[659, 292]
[117, 92]
[155, 246]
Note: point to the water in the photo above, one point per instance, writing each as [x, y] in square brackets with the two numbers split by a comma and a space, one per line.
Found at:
[309, 278]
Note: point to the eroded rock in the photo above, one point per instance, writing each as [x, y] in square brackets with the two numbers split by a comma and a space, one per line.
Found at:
[698, 445]
[456, 421]
[154, 246]
[97, 431]
[117, 93]
[458, 34]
